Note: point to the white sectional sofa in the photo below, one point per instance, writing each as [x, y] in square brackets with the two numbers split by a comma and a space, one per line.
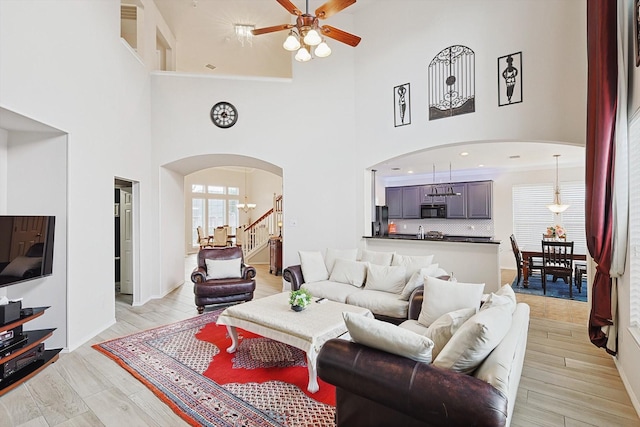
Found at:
[380, 281]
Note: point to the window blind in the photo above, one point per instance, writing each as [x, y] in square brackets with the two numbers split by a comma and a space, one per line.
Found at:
[634, 220]
[531, 217]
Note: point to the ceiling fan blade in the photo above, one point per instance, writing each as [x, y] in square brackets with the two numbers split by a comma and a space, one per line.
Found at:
[290, 7]
[341, 36]
[265, 30]
[332, 7]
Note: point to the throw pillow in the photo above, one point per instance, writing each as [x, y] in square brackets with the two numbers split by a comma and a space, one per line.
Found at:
[443, 328]
[442, 296]
[385, 278]
[417, 279]
[312, 266]
[388, 337]
[412, 263]
[223, 268]
[349, 272]
[475, 339]
[499, 298]
[333, 254]
[19, 265]
[378, 258]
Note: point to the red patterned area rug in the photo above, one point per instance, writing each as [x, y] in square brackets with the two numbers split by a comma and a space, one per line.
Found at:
[186, 365]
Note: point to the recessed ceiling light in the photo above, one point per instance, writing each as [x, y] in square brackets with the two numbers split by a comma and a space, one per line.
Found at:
[514, 157]
[481, 165]
[211, 67]
[464, 153]
[409, 171]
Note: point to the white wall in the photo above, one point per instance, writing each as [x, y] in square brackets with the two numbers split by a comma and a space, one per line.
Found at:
[62, 63]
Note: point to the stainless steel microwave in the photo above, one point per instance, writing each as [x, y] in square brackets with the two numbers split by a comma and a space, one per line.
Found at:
[433, 211]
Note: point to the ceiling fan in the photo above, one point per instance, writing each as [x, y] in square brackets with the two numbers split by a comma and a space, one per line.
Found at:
[306, 32]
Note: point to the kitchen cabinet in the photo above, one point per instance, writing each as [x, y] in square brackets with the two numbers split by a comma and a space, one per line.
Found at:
[479, 199]
[426, 192]
[457, 205]
[393, 200]
[411, 202]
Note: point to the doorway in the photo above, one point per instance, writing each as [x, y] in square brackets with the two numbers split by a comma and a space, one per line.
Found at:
[124, 235]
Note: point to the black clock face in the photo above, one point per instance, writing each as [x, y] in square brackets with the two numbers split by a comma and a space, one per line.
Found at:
[224, 115]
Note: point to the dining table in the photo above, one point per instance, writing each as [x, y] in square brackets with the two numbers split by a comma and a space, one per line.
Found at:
[528, 254]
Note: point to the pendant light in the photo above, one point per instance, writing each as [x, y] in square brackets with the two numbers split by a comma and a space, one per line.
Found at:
[246, 205]
[557, 206]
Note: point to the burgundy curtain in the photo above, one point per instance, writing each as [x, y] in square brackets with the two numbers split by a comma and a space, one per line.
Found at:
[601, 117]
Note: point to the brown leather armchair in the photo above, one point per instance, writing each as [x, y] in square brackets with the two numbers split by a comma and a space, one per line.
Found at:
[222, 290]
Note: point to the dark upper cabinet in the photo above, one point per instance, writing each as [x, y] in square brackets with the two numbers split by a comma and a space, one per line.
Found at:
[411, 202]
[427, 196]
[393, 199]
[457, 205]
[479, 199]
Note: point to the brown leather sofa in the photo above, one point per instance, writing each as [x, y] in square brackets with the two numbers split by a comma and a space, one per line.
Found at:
[220, 291]
[379, 389]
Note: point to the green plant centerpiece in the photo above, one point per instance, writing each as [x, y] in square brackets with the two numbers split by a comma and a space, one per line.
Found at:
[299, 299]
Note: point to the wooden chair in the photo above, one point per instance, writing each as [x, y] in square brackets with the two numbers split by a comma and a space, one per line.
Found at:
[203, 241]
[533, 264]
[557, 260]
[220, 237]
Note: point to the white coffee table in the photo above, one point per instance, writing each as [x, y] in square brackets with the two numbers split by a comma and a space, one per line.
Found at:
[308, 330]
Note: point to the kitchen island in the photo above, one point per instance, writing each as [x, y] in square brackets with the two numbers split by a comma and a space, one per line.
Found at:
[469, 259]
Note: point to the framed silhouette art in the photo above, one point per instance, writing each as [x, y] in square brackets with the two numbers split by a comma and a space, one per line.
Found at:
[402, 105]
[510, 79]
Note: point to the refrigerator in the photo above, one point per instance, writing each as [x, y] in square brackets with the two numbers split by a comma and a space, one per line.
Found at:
[380, 225]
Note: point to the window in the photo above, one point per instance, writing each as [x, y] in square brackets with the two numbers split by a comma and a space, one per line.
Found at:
[634, 221]
[213, 206]
[531, 217]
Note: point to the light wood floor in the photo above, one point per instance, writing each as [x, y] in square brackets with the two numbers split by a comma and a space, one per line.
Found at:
[566, 381]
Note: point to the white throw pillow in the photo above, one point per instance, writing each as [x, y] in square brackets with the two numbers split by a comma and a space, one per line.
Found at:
[333, 254]
[443, 328]
[412, 263]
[417, 279]
[504, 296]
[19, 265]
[385, 278]
[313, 267]
[475, 339]
[223, 268]
[349, 272]
[442, 296]
[378, 258]
[388, 337]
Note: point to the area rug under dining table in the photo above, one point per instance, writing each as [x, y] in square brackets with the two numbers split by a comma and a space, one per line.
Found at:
[557, 289]
[186, 365]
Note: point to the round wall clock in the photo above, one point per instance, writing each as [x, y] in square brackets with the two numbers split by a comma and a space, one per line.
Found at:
[224, 114]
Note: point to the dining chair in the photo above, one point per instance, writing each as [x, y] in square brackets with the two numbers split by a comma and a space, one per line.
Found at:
[220, 237]
[534, 264]
[557, 260]
[203, 241]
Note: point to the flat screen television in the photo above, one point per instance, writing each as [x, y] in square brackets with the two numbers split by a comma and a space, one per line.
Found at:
[26, 248]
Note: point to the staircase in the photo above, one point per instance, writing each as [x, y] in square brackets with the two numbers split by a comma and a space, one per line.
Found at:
[256, 236]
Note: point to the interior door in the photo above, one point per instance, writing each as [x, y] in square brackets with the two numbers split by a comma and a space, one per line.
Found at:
[27, 230]
[126, 241]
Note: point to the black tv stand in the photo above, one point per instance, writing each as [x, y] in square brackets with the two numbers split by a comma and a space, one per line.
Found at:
[25, 347]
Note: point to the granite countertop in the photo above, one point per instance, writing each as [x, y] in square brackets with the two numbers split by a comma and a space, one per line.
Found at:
[445, 238]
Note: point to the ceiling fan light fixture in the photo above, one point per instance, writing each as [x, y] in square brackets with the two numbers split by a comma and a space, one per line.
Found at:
[323, 50]
[312, 38]
[303, 55]
[291, 43]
